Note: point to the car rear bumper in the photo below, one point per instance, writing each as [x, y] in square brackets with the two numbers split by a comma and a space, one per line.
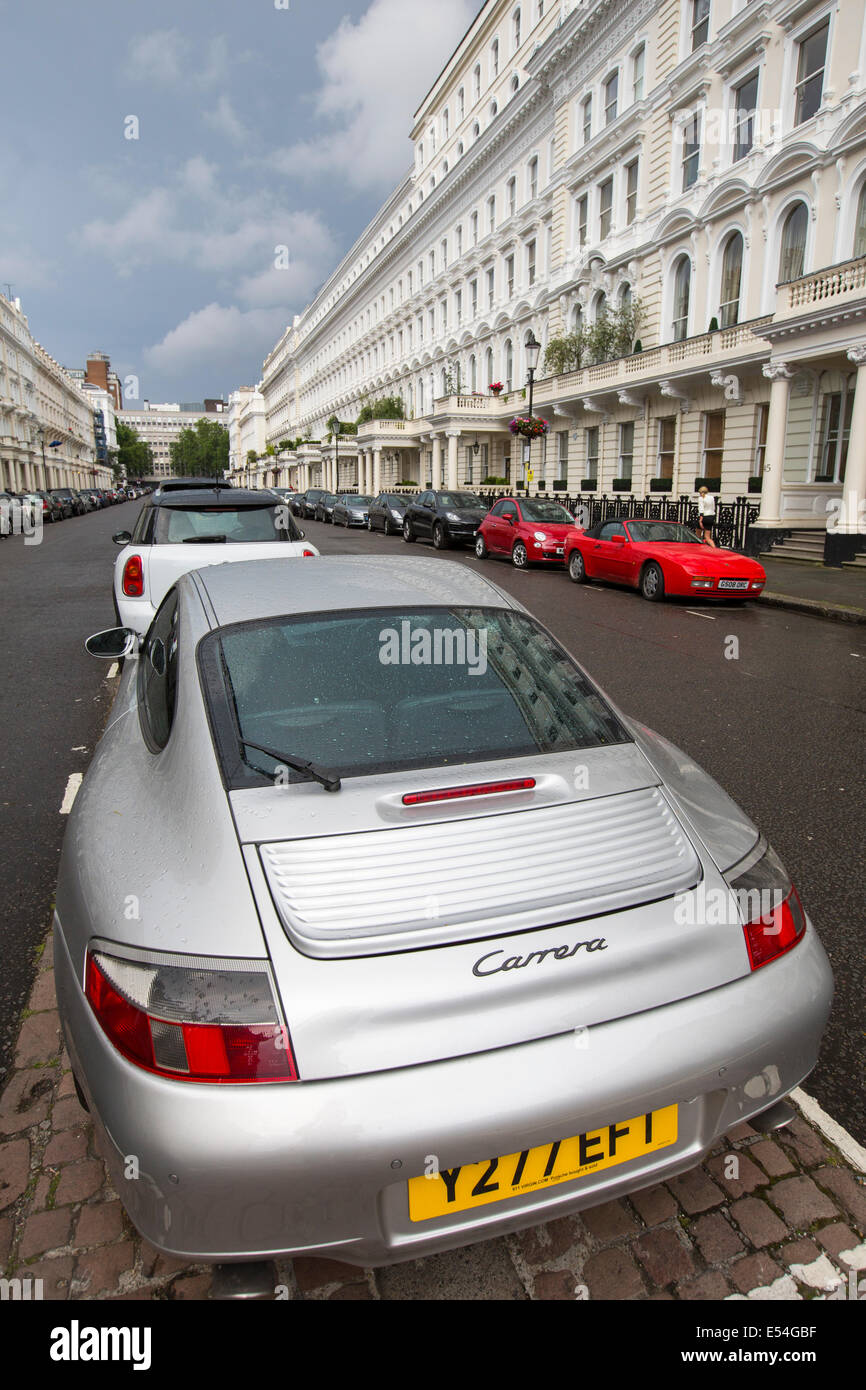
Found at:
[134, 613]
[239, 1173]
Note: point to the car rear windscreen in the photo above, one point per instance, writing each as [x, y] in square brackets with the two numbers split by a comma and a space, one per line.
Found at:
[177, 525]
[388, 690]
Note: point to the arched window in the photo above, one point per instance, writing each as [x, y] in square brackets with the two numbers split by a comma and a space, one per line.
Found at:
[792, 257]
[860, 224]
[476, 82]
[421, 395]
[494, 58]
[473, 374]
[517, 30]
[509, 365]
[577, 318]
[476, 131]
[494, 109]
[515, 82]
[489, 366]
[461, 104]
[732, 275]
[600, 307]
[682, 295]
[444, 382]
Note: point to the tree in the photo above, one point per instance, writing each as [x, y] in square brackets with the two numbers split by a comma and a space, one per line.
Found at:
[385, 408]
[565, 354]
[613, 334]
[134, 456]
[252, 456]
[201, 452]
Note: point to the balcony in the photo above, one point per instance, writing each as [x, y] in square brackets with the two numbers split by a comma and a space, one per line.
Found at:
[823, 294]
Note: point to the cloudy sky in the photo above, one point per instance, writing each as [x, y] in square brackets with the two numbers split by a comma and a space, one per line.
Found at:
[259, 124]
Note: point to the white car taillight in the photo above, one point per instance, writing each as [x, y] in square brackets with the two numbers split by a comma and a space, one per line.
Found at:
[191, 1018]
[771, 912]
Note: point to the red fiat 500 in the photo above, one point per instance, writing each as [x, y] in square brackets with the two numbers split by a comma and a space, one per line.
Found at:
[528, 530]
[661, 557]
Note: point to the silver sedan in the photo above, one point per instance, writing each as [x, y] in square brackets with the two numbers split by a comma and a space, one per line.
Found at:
[416, 939]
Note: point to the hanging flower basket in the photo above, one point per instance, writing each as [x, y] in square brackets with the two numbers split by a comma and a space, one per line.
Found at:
[529, 426]
[496, 387]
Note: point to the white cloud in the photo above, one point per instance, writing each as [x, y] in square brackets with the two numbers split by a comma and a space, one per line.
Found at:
[168, 58]
[215, 338]
[226, 122]
[374, 73]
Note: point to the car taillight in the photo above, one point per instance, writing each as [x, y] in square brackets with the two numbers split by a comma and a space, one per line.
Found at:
[523, 784]
[309, 555]
[190, 1018]
[769, 906]
[133, 577]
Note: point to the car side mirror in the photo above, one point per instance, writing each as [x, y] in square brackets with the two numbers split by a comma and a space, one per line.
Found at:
[509, 519]
[122, 538]
[301, 533]
[618, 540]
[113, 644]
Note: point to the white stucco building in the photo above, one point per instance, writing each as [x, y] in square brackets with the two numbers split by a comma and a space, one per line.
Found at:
[247, 434]
[705, 158]
[46, 422]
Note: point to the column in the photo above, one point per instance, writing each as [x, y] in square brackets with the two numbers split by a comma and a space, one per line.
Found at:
[376, 487]
[779, 374]
[453, 437]
[437, 463]
[854, 499]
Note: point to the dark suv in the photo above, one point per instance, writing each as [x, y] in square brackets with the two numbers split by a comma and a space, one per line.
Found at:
[446, 518]
[71, 503]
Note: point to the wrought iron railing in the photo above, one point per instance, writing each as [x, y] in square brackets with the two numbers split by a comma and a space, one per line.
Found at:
[729, 531]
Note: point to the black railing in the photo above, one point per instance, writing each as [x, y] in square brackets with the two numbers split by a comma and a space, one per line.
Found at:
[732, 518]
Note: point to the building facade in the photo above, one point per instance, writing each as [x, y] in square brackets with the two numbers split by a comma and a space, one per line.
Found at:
[692, 169]
[159, 425]
[247, 435]
[47, 436]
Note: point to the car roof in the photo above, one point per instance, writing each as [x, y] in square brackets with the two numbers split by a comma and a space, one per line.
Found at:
[202, 497]
[249, 590]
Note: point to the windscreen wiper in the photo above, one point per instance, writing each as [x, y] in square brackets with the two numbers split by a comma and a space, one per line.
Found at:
[329, 780]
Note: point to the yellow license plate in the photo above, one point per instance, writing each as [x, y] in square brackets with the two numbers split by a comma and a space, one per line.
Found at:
[496, 1179]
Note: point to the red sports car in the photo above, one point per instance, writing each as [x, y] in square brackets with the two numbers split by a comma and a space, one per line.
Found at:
[527, 529]
[661, 557]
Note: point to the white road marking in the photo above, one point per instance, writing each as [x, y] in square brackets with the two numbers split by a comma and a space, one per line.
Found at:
[112, 671]
[847, 1145]
[857, 654]
[80, 748]
[75, 780]
[709, 617]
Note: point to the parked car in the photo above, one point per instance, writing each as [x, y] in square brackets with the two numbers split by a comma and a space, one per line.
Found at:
[446, 518]
[659, 558]
[391, 921]
[350, 510]
[52, 507]
[90, 500]
[6, 514]
[70, 501]
[529, 530]
[325, 507]
[386, 513]
[184, 530]
[310, 501]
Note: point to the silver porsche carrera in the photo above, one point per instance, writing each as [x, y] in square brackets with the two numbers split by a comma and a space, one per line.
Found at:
[380, 930]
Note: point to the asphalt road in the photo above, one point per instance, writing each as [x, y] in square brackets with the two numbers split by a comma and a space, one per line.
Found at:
[781, 726]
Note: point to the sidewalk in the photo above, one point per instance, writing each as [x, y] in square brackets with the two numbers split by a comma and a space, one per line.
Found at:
[779, 1217]
[828, 593]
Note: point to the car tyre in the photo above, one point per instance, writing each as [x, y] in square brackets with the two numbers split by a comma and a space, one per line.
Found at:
[520, 556]
[480, 548]
[408, 534]
[652, 582]
[576, 568]
[440, 538]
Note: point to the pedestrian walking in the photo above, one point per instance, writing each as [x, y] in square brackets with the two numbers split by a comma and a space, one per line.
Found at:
[707, 518]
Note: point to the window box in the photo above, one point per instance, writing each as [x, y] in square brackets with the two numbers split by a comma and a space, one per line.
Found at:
[621, 485]
[661, 484]
[588, 484]
[560, 484]
[711, 484]
[755, 484]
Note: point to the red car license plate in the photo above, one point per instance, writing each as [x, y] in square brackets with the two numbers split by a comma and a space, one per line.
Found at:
[733, 583]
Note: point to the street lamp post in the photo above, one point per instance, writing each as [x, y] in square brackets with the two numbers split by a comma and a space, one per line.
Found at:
[533, 348]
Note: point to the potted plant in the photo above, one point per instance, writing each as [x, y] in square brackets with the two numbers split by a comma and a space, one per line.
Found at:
[496, 388]
[661, 484]
[588, 484]
[714, 325]
[529, 426]
[621, 485]
[711, 484]
[756, 483]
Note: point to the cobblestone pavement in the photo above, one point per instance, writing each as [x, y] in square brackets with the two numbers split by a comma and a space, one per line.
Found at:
[779, 1217]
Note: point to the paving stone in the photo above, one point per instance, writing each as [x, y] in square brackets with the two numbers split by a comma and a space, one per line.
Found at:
[351, 1292]
[555, 1284]
[654, 1205]
[66, 1086]
[801, 1202]
[716, 1238]
[46, 960]
[539, 1244]
[773, 1160]
[709, 1286]
[42, 1193]
[46, 1230]
[26, 1100]
[664, 1257]
[39, 1039]
[67, 1113]
[802, 1139]
[842, 1184]
[482, 1271]
[78, 1181]
[758, 1223]
[99, 1224]
[835, 1238]
[799, 1252]
[740, 1131]
[43, 994]
[7, 1231]
[612, 1274]
[610, 1221]
[156, 1265]
[56, 1276]
[66, 1147]
[14, 1170]
[192, 1287]
[312, 1272]
[100, 1271]
[753, 1272]
[749, 1175]
[695, 1191]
